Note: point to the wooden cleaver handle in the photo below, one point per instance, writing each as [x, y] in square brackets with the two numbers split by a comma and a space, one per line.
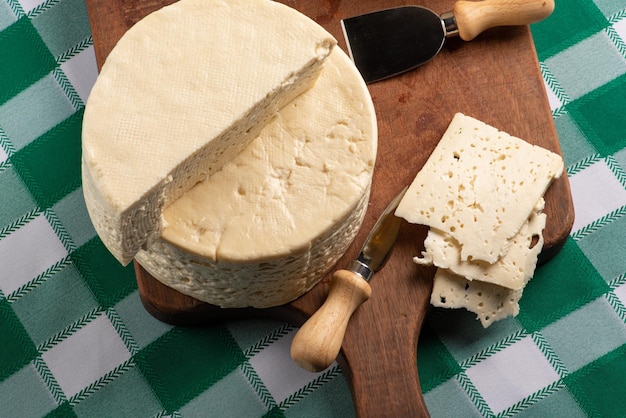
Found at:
[474, 17]
[317, 343]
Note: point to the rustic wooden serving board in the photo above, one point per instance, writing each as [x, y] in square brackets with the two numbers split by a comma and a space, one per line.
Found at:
[495, 78]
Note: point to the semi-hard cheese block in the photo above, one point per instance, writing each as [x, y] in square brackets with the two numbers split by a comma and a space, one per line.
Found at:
[183, 92]
[479, 186]
[267, 227]
[512, 270]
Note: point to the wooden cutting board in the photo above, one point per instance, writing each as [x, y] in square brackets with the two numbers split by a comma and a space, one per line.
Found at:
[495, 78]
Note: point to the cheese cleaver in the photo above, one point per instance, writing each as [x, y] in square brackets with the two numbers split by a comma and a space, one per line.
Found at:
[389, 42]
[317, 343]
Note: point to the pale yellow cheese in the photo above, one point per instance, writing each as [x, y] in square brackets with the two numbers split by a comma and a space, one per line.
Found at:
[488, 301]
[491, 291]
[512, 270]
[267, 227]
[481, 194]
[479, 186]
[183, 92]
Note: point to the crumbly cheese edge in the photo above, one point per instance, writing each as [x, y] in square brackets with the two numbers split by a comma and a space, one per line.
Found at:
[259, 283]
[489, 300]
[512, 270]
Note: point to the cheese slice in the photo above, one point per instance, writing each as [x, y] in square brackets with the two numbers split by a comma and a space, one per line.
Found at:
[487, 289]
[512, 270]
[183, 92]
[479, 186]
[267, 227]
[488, 301]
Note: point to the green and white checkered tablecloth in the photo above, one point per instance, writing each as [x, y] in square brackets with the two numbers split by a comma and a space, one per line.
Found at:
[75, 339]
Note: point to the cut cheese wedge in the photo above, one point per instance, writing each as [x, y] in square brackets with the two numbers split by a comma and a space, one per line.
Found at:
[184, 91]
[512, 270]
[266, 228]
[479, 186]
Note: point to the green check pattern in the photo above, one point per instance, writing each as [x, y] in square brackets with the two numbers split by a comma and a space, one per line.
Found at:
[76, 340]
[565, 354]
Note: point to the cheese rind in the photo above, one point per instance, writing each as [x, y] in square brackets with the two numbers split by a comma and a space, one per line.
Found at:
[479, 186]
[267, 227]
[184, 91]
[512, 270]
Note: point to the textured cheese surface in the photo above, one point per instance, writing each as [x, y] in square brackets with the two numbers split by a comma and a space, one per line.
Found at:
[489, 290]
[512, 270]
[267, 226]
[488, 301]
[479, 186]
[184, 91]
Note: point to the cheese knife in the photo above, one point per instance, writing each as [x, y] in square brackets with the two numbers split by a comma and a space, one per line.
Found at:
[317, 343]
[389, 42]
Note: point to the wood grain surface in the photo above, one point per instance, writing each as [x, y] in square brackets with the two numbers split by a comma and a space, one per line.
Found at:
[494, 78]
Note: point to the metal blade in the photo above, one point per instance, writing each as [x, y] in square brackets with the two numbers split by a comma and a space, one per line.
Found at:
[389, 42]
[377, 247]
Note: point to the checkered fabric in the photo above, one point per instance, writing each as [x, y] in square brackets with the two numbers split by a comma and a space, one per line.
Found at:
[565, 354]
[76, 341]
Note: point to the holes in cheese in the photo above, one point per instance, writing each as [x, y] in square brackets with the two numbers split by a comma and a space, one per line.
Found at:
[510, 271]
[488, 201]
[481, 194]
[488, 301]
[491, 291]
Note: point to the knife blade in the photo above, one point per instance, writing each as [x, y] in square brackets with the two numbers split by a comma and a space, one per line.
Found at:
[389, 42]
[317, 343]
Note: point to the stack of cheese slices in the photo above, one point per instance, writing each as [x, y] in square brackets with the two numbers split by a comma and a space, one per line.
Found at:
[481, 193]
[229, 146]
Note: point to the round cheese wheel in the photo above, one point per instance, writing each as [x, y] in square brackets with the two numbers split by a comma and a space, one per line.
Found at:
[266, 228]
[184, 91]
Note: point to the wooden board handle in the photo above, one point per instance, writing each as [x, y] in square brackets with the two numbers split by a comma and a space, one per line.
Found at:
[474, 17]
[317, 343]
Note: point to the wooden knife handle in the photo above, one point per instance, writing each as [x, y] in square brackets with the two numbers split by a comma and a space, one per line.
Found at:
[317, 343]
[474, 17]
